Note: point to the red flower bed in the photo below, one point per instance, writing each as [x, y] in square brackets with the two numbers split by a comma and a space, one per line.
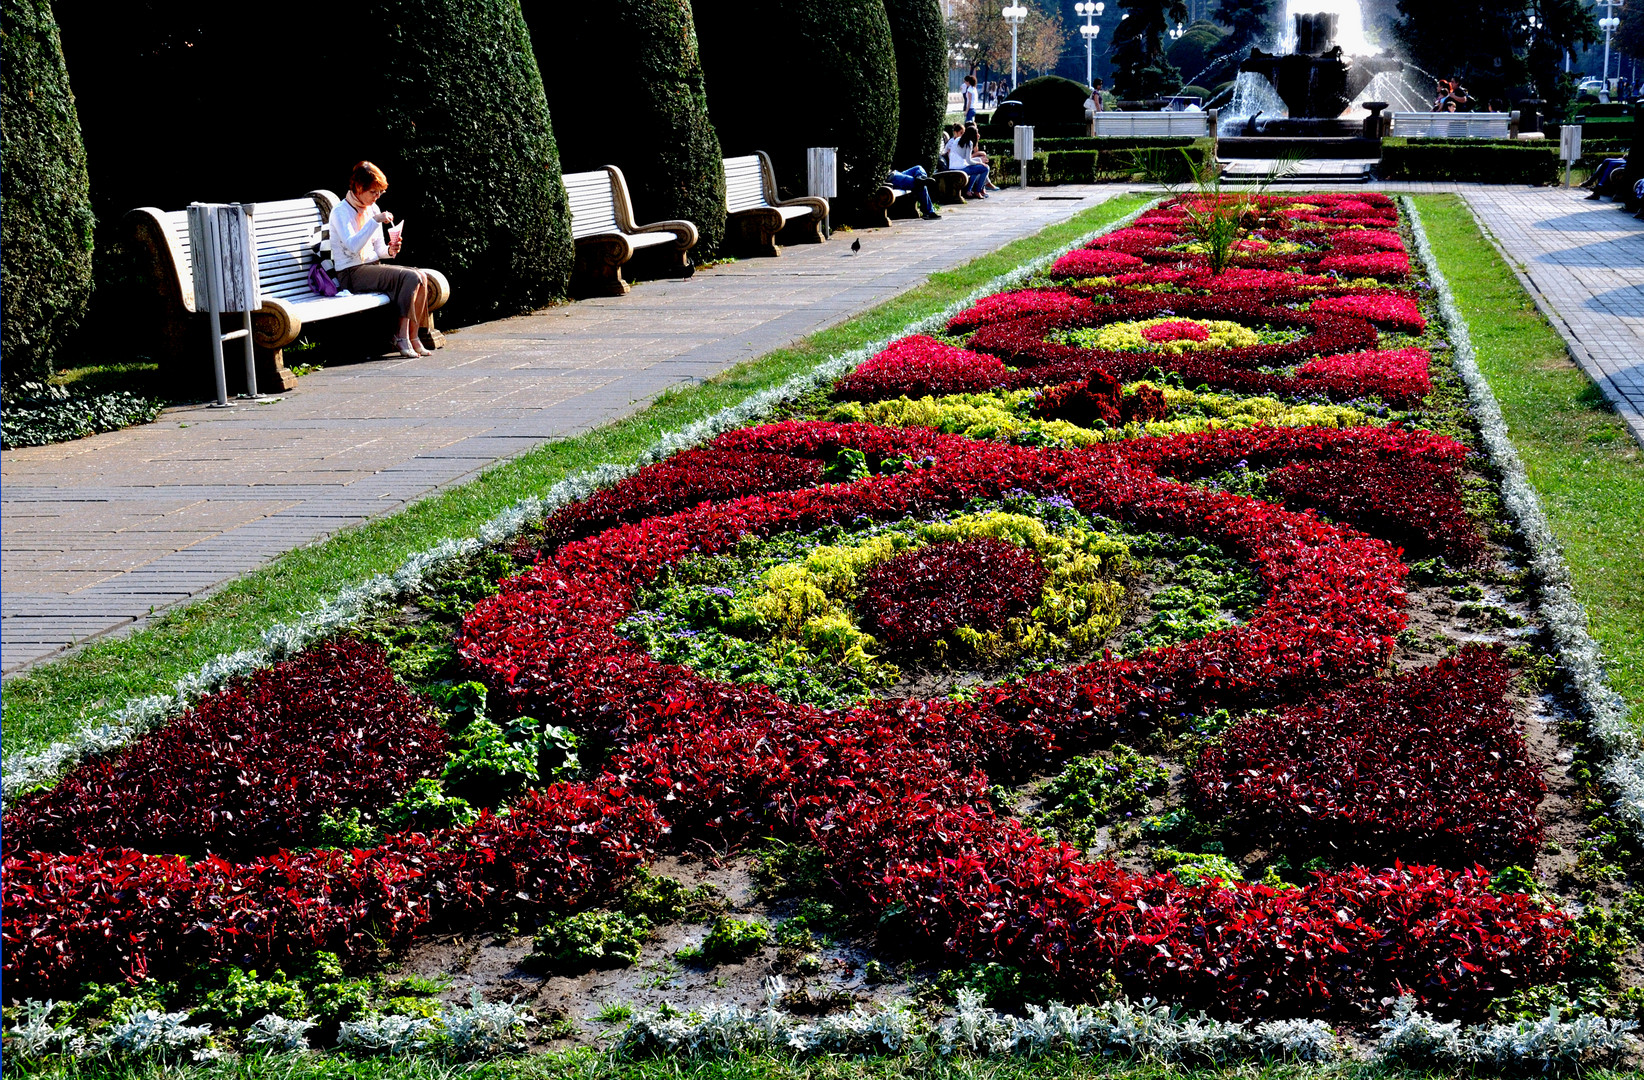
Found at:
[1387, 265]
[1005, 306]
[1088, 262]
[251, 768]
[920, 365]
[1177, 330]
[111, 914]
[1429, 765]
[913, 601]
[1384, 309]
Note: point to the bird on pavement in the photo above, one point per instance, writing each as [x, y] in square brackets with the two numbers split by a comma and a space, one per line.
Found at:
[856, 245]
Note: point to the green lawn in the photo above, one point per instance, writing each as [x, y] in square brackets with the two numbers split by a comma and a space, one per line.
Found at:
[47, 702]
[1577, 453]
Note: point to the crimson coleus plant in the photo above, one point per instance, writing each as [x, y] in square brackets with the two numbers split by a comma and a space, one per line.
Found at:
[251, 768]
[1425, 766]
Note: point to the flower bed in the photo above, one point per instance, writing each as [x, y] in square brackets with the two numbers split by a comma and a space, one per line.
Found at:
[744, 637]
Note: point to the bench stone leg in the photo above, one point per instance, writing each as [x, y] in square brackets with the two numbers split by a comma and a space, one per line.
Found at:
[598, 269]
[273, 377]
[950, 187]
[803, 230]
[907, 206]
[753, 232]
[875, 213]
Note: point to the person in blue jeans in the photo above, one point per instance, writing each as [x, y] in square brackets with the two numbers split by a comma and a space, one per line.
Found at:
[919, 181]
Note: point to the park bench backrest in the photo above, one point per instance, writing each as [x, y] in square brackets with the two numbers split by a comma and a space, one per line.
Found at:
[1431, 125]
[1152, 123]
[744, 183]
[285, 238]
[593, 203]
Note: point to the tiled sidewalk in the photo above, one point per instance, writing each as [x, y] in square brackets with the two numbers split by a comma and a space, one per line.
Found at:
[98, 534]
[1584, 263]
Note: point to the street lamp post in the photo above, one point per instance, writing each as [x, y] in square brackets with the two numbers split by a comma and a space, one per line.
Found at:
[1609, 25]
[1014, 14]
[1089, 31]
[1176, 32]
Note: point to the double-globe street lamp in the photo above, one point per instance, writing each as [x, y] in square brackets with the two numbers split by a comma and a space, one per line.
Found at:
[1014, 14]
[1609, 25]
[1089, 30]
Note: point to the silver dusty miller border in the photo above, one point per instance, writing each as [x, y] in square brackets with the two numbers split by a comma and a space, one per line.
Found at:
[1604, 711]
[25, 770]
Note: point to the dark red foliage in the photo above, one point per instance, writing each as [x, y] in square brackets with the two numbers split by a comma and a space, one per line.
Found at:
[251, 768]
[914, 600]
[1083, 402]
[112, 914]
[1427, 766]
[704, 475]
[1144, 403]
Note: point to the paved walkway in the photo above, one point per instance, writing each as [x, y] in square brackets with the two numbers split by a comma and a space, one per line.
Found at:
[101, 533]
[1584, 264]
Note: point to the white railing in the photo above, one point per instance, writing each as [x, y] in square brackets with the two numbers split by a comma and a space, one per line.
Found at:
[1437, 125]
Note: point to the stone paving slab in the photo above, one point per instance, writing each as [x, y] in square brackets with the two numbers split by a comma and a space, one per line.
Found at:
[1583, 262]
[98, 534]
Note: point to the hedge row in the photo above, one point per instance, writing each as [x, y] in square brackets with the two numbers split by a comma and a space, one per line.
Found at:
[921, 42]
[1496, 162]
[836, 55]
[45, 213]
[1089, 166]
[629, 92]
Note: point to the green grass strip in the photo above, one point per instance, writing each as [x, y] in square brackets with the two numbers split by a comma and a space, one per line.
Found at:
[1577, 453]
[49, 701]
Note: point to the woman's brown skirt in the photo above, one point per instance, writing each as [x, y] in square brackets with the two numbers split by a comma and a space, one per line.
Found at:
[400, 282]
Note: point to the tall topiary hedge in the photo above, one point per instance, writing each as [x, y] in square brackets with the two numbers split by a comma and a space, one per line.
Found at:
[45, 207]
[920, 38]
[788, 74]
[444, 95]
[628, 91]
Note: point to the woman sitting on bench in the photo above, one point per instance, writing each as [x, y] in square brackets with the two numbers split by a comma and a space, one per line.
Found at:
[358, 248]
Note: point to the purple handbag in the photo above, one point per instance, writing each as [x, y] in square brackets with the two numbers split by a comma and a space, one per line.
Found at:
[320, 281]
[319, 277]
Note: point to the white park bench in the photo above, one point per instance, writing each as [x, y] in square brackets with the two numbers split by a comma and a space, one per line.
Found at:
[602, 223]
[755, 214]
[1439, 125]
[287, 233]
[1193, 124]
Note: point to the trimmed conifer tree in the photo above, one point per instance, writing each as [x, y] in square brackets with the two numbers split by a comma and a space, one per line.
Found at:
[45, 207]
[628, 91]
[837, 85]
[921, 43]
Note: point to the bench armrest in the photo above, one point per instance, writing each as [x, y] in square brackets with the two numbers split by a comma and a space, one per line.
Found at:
[686, 230]
[816, 203]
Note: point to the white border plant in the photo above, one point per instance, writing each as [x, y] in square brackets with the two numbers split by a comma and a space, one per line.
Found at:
[1622, 767]
[25, 770]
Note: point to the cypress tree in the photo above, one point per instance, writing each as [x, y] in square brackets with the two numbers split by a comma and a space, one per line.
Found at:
[45, 206]
[921, 43]
[638, 60]
[836, 69]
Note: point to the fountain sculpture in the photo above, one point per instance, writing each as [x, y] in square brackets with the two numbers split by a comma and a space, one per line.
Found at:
[1317, 81]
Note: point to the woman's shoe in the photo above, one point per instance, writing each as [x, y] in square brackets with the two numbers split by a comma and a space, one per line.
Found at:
[422, 350]
[406, 349]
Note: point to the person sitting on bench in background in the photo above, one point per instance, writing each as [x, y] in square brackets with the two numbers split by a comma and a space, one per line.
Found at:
[920, 182]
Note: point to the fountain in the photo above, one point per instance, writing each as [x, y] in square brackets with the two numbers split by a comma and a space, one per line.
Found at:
[1316, 81]
[1295, 103]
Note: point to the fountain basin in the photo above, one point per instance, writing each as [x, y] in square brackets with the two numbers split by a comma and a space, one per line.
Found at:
[1317, 82]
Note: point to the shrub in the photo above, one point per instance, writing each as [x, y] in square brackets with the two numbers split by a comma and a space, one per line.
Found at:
[1470, 159]
[627, 90]
[920, 40]
[838, 51]
[37, 414]
[1051, 99]
[45, 209]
